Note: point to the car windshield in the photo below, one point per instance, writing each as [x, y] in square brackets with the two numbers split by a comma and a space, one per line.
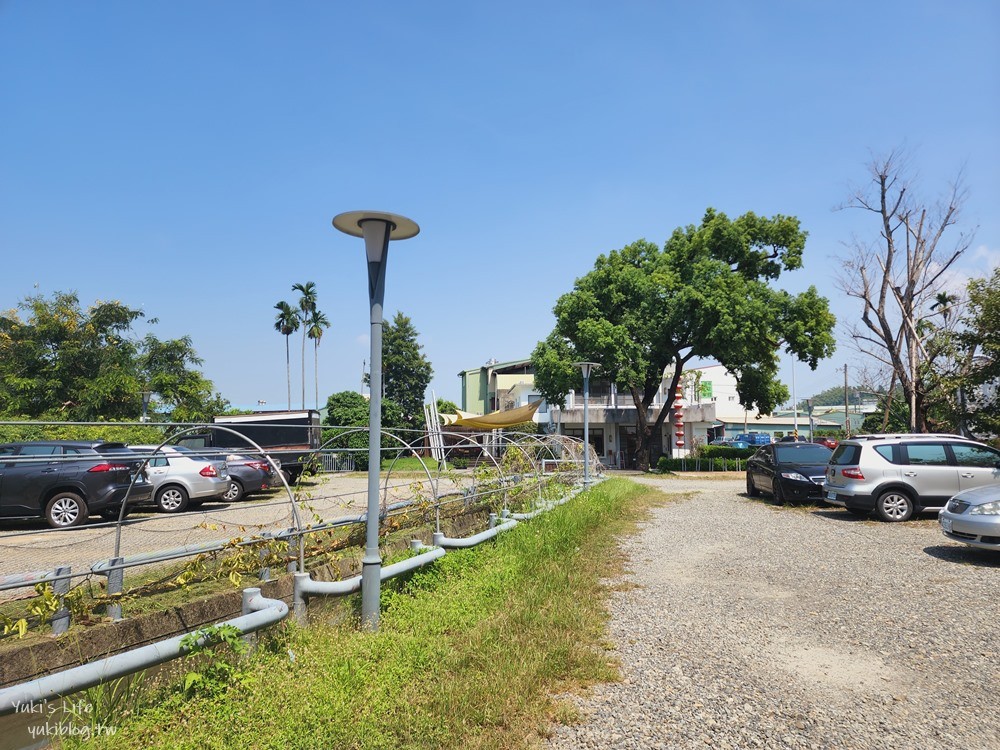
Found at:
[802, 453]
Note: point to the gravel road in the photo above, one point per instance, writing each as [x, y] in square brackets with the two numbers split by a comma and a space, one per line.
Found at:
[748, 625]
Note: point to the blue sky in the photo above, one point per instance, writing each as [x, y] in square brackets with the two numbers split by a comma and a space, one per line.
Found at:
[188, 157]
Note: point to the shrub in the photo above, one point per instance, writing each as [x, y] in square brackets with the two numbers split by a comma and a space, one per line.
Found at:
[725, 451]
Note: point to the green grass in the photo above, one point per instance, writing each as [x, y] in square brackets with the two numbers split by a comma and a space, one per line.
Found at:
[469, 653]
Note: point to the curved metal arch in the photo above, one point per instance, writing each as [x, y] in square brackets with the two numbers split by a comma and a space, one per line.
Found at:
[201, 428]
[408, 446]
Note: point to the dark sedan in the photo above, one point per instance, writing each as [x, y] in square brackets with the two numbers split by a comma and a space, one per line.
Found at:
[788, 471]
[247, 475]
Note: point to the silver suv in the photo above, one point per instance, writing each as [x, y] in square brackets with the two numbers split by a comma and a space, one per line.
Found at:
[899, 475]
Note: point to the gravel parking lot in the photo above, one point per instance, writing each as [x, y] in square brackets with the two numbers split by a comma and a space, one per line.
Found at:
[741, 624]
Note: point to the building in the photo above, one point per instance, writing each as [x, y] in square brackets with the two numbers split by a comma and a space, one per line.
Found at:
[711, 409]
[500, 386]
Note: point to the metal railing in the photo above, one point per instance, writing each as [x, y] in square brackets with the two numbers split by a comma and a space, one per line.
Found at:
[267, 524]
[258, 612]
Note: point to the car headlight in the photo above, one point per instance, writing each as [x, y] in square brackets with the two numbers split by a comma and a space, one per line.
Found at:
[794, 476]
[986, 509]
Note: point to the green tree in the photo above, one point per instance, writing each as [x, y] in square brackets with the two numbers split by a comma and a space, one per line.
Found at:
[318, 322]
[182, 391]
[286, 322]
[60, 361]
[834, 396]
[642, 310]
[977, 384]
[406, 372]
[307, 306]
[348, 410]
[890, 416]
[444, 406]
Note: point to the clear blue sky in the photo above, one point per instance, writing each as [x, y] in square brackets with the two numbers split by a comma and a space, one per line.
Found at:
[188, 157]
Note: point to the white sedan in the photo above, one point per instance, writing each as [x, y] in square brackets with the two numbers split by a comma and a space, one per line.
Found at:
[973, 517]
[182, 477]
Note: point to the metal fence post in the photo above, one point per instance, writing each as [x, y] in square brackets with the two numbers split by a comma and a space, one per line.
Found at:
[248, 594]
[116, 584]
[299, 601]
[60, 587]
[265, 571]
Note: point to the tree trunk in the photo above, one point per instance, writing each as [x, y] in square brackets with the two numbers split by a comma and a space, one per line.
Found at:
[288, 371]
[303, 366]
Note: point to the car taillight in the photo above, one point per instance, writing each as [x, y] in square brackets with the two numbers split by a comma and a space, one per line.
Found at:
[259, 465]
[108, 467]
[852, 473]
[209, 471]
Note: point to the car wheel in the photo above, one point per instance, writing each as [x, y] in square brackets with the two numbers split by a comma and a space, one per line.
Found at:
[752, 490]
[66, 509]
[172, 499]
[288, 477]
[894, 506]
[779, 494]
[234, 493]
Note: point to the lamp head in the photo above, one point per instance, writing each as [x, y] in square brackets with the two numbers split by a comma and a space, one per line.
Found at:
[377, 228]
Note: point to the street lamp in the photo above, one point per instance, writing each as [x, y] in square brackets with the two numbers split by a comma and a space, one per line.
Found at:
[145, 406]
[377, 228]
[586, 368]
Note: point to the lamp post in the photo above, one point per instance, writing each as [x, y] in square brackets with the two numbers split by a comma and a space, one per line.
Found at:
[586, 368]
[145, 406]
[376, 228]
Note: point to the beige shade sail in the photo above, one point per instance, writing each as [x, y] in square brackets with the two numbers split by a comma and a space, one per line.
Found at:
[493, 421]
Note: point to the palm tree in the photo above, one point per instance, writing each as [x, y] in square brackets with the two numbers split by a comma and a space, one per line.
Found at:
[317, 322]
[944, 302]
[286, 322]
[307, 304]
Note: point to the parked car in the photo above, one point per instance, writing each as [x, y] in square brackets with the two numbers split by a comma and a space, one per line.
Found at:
[973, 517]
[67, 481]
[827, 441]
[181, 477]
[247, 475]
[788, 471]
[898, 476]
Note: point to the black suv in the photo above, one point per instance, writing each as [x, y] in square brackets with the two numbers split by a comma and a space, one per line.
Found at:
[67, 481]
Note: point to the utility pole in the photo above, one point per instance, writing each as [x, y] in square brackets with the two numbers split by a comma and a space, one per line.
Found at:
[847, 417]
[795, 405]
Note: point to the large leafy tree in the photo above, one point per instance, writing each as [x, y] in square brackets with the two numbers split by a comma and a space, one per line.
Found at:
[976, 383]
[345, 412]
[58, 360]
[406, 372]
[643, 311]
